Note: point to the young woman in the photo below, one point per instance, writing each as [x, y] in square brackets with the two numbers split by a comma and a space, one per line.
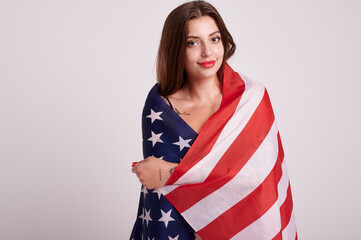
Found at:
[200, 104]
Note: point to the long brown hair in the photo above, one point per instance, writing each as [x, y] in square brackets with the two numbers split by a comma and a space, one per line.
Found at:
[170, 61]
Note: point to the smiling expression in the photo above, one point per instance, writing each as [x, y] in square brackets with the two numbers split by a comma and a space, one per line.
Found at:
[204, 51]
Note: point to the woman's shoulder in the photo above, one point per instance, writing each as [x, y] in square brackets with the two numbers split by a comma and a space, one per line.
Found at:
[167, 101]
[153, 98]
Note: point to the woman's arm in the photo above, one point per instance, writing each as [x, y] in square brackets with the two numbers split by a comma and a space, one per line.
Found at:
[154, 172]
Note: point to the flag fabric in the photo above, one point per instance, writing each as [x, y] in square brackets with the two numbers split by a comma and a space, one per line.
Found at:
[232, 183]
[165, 136]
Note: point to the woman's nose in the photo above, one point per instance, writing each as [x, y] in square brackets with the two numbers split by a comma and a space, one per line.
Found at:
[206, 50]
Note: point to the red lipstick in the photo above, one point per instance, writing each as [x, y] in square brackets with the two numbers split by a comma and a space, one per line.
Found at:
[207, 64]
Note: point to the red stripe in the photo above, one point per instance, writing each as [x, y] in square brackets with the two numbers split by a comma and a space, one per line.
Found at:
[286, 208]
[286, 212]
[233, 88]
[243, 147]
[278, 236]
[248, 209]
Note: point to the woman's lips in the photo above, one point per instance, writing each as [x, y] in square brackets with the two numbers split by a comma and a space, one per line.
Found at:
[207, 64]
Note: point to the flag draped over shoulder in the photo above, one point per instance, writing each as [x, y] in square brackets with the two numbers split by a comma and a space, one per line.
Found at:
[233, 183]
[165, 136]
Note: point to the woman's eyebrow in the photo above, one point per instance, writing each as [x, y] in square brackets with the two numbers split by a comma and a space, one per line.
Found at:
[209, 35]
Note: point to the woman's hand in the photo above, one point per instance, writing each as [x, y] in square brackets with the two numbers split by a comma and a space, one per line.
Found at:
[154, 172]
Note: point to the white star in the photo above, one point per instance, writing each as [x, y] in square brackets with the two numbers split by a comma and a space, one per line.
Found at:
[154, 115]
[142, 216]
[157, 192]
[151, 239]
[175, 238]
[159, 157]
[166, 218]
[147, 217]
[144, 190]
[183, 143]
[155, 138]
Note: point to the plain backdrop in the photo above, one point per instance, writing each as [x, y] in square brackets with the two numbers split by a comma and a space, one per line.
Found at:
[73, 79]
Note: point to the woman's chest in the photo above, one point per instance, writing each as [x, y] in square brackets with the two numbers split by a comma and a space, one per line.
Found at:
[197, 115]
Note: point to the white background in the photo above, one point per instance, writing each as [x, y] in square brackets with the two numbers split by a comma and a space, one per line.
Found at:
[73, 79]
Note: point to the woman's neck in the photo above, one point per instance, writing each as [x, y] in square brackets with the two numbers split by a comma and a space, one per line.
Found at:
[201, 90]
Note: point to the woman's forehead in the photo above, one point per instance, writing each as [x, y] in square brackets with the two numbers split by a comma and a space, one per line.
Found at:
[204, 25]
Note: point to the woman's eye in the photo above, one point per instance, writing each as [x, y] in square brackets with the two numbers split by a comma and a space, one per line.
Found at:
[216, 39]
[191, 43]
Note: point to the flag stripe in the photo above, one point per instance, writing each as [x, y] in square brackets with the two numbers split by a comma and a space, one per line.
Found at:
[249, 209]
[268, 230]
[248, 179]
[233, 90]
[285, 211]
[290, 230]
[243, 147]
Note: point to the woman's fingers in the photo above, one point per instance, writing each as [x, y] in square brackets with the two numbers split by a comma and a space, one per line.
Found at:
[153, 172]
[134, 167]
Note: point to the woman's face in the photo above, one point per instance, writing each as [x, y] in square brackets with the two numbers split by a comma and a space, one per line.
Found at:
[204, 50]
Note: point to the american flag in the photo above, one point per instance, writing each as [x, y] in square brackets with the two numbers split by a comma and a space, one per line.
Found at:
[233, 182]
[165, 136]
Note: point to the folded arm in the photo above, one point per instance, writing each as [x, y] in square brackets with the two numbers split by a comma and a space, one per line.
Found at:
[154, 172]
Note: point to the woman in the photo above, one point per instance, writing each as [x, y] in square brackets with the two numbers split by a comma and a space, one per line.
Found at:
[200, 101]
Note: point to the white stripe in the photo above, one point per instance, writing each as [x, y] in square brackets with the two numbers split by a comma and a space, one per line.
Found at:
[247, 180]
[250, 100]
[269, 225]
[167, 189]
[289, 233]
